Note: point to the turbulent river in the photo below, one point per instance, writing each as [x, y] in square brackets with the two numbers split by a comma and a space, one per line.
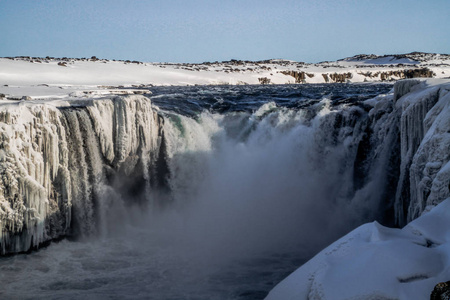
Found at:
[257, 179]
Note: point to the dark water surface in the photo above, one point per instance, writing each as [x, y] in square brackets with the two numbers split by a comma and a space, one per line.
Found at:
[221, 99]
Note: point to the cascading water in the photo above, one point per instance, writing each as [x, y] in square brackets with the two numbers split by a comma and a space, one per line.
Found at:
[217, 194]
[253, 182]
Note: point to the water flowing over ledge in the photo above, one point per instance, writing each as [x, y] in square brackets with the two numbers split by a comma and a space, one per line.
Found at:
[61, 165]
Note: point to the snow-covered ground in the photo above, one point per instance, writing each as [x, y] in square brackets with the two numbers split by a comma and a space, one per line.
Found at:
[376, 262]
[39, 77]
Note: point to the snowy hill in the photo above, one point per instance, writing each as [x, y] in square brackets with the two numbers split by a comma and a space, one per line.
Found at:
[62, 76]
[413, 58]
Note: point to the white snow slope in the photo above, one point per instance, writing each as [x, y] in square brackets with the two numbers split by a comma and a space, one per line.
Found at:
[39, 77]
[376, 262]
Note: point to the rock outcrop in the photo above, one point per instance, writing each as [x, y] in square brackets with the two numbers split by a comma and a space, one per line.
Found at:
[300, 77]
[441, 291]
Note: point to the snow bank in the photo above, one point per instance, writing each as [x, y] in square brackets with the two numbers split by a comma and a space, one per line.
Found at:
[375, 262]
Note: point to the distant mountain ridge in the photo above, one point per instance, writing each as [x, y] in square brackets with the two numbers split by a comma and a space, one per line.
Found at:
[414, 56]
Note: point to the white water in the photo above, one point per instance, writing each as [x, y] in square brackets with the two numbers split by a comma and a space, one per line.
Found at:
[244, 185]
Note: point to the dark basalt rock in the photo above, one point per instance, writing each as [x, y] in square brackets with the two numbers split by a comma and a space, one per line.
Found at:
[300, 77]
[341, 78]
[441, 291]
[402, 74]
[264, 80]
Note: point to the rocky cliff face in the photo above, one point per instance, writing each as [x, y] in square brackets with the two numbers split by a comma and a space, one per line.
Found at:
[399, 74]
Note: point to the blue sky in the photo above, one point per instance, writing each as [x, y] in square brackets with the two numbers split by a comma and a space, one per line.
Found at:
[201, 30]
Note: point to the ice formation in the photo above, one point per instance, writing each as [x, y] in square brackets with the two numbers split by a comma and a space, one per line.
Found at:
[56, 162]
[425, 149]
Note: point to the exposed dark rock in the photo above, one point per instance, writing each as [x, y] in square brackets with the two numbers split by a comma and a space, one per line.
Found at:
[400, 74]
[300, 77]
[415, 73]
[340, 77]
[264, 80]
[441, 291]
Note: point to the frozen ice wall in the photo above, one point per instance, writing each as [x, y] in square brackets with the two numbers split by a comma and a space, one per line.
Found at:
[424, 122]
[57, 164]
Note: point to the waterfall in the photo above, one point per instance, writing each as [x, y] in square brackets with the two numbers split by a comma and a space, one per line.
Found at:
[249, 182]
[247, 179]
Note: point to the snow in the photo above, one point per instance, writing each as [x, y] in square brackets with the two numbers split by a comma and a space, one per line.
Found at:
[376, 262]
[47, 78]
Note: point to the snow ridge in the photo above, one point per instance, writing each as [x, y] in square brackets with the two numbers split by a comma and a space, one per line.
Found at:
[376, 262]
